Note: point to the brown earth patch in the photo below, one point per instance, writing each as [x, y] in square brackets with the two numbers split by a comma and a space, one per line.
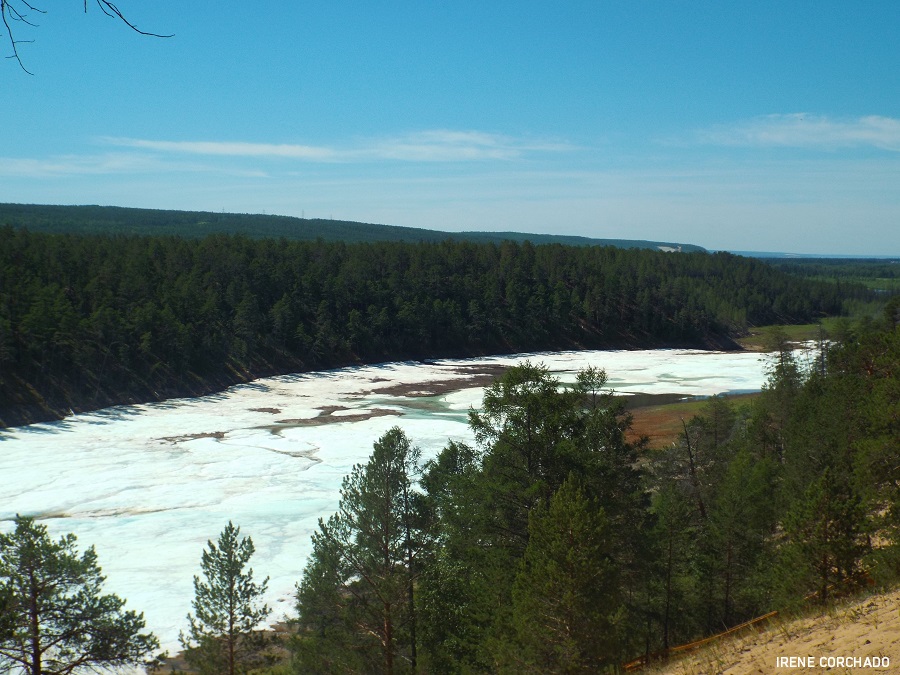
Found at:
[273, 411]
[866, 627]
[662, 423]
[190, 437]
[325, 416]
[438, 387]
[660, 426]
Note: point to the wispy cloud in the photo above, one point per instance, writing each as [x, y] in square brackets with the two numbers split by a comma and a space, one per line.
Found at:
[106, 164]
[456, 146]
[801, 130]
[227, 148]
[425, 146]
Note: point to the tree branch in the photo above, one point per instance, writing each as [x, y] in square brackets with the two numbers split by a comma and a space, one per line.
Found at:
[11, 13]
[111, 10]
[17, 10]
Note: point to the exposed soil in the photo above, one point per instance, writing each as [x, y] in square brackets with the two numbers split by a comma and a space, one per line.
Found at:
[476, 376]
[868, 627]
[326, 416]
[661, 423]
[190, 437]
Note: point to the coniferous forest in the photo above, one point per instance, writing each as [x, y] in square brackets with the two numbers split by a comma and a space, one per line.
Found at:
[551, 545]
[88, 321]
[554, 545]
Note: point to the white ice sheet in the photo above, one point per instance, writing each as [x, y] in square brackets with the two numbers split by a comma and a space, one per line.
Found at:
[148, 485]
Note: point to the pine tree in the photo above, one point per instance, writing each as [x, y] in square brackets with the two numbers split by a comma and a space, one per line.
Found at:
[357, 592]
[671, 585]
[566, 603]
[531, 436]
[223, 636]
[54, 620]
[825, 538]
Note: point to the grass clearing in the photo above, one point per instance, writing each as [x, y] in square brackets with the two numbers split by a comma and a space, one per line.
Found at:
[661, 423]
[760, 338]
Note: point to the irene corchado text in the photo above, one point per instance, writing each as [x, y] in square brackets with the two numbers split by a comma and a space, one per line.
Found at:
[874, 662]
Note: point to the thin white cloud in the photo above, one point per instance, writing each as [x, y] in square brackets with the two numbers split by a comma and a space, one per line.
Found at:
[106, 164]
[227, 148]
[457, 146]
[440, 145]
[801, 130]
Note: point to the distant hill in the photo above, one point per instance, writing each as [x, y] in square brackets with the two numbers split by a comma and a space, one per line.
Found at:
[192, 224]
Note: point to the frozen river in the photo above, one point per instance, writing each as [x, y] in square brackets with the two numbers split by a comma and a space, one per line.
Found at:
[148, 485]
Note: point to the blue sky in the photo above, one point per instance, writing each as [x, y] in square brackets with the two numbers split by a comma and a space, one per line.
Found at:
[768, 126]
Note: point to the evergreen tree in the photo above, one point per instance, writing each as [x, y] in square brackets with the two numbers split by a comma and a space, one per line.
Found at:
[736, 559]
[55, 621]
[532, 436]
[525, 428]
[222, 637]
[825, 541]
[566, 604]
[356, 601]
[671, 581]
[463, 580]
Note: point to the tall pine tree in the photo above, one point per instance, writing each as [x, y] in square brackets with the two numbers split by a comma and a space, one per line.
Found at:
[566, 598]
[53, 618]
[223, 636]
[356, 600]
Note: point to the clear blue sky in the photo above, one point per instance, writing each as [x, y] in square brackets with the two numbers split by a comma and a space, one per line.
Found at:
[758, 125]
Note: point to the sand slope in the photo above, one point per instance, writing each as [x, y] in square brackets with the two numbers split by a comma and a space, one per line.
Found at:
[861, 628]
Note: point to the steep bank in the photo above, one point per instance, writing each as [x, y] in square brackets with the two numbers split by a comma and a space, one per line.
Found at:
[90, 321]
[865, 627]
[23, 402]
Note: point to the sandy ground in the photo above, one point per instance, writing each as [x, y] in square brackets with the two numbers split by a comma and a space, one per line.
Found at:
[861, 628]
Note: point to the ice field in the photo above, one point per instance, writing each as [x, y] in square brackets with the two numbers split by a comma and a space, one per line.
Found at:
[148, 485]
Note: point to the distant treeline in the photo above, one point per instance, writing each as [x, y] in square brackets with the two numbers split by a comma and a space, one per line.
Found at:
[114, 220]
[879, 274]
[86, 321]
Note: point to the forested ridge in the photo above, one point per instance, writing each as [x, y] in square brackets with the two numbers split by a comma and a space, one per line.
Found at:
[90, 320]
[114, 220]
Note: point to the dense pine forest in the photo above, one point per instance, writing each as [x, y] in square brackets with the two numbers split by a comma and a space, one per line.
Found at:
[91, 320]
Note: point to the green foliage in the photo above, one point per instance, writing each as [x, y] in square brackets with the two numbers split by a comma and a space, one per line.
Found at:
[89, 320]
[356, 601]
[533, 437]
[737, 541]
[875, 273]
[547, 555]
[825, 542]
[223, 635]
[566, 596]
[670, 596]
[55, 620]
